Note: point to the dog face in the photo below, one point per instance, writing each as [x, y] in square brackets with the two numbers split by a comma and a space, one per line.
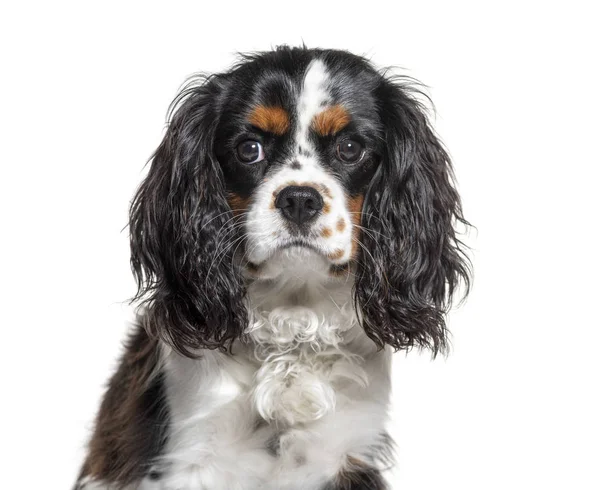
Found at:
[297, 148]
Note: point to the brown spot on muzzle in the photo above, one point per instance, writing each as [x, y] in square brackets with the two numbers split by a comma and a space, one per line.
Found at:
[331, 120]
[337, 254]
[326, 232]
[273, 119]
[324, 190]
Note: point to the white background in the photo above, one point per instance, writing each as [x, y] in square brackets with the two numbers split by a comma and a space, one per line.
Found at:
[84, 93]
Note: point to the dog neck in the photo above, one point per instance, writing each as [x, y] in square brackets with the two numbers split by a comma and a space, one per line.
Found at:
[306, 337]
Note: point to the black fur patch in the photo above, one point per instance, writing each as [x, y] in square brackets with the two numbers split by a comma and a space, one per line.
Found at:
[364, 479]
[132, 423]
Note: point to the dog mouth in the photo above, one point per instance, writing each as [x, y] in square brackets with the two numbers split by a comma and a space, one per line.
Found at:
[301, 243]
[298, 251]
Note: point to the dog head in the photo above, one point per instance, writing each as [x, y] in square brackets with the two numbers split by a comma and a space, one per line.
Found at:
[298, 149]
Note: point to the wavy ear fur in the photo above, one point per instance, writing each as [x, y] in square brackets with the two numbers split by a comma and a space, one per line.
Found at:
[403, 289]
[192, 292]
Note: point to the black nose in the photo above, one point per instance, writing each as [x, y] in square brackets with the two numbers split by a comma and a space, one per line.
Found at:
[299, 203]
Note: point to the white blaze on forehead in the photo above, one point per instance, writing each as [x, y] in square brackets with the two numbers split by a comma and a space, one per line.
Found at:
[266, 226]
[313, 98]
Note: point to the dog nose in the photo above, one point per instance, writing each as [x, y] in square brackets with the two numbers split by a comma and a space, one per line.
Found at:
[299, 203]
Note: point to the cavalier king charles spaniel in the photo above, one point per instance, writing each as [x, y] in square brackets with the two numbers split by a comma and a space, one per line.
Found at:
[296, 226]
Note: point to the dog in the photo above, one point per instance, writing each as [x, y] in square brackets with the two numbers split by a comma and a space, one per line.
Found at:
[297, 225]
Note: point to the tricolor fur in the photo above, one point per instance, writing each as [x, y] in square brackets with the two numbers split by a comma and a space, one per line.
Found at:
[274, 291]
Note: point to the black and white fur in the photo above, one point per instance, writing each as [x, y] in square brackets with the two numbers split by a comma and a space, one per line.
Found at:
[261, 359]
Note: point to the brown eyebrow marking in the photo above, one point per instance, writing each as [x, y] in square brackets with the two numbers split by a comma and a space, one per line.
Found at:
[272, 119]
[331, 120]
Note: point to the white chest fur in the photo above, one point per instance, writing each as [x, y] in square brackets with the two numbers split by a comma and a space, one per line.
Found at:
[306, 391]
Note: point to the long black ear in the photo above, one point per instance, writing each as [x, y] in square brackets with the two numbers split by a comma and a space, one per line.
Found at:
[192, 292]
[413, 260]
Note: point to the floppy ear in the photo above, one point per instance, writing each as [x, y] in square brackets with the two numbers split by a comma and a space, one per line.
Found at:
[186, 278]
[404, 284]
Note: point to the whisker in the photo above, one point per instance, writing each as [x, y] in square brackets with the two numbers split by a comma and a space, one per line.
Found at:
[374, 263]
[219, 215]
[370, 232]
[221, 253]
[225, 237]
[368, 215]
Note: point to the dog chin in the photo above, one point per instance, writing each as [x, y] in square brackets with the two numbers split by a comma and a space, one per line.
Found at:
[299, 261]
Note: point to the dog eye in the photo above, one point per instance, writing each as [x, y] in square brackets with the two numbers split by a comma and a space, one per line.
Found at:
[350, 151]
[250, 151]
